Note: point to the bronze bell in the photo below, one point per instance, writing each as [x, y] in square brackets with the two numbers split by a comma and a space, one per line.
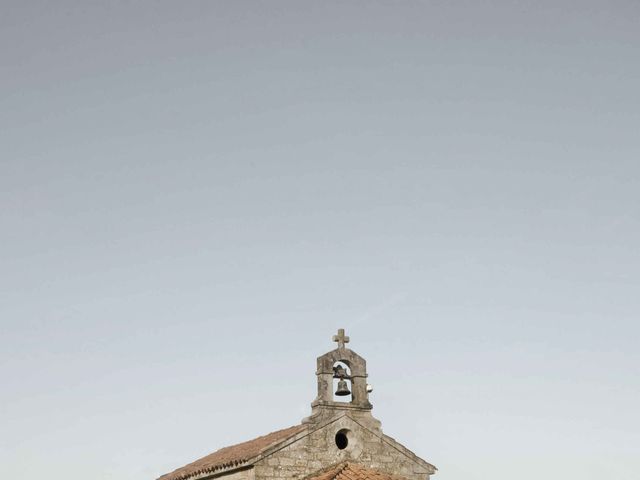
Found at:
[343, 388]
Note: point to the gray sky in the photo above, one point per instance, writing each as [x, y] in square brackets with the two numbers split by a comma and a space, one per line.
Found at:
[195, 195]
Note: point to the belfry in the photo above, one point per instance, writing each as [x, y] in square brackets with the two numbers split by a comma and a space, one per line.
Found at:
[340, 439]
[347, 367]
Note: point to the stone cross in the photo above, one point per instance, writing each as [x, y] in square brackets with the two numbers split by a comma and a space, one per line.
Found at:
[341, 338]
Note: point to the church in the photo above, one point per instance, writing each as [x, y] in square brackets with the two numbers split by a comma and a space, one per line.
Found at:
[340, 440]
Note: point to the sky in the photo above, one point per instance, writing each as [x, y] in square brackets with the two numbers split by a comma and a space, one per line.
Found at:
[195, 196]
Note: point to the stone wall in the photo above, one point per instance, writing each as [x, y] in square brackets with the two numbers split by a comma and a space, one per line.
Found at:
[318, 450]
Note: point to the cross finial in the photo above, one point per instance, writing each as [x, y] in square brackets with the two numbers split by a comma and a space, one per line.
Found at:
[341, 338]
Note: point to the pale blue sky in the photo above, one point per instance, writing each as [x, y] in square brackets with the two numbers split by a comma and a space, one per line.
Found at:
[195, 195]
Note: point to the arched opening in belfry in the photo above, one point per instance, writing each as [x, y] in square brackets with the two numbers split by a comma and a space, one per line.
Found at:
[342, 388]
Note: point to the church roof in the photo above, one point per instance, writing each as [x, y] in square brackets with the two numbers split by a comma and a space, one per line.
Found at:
[352, 471]
[233, 456]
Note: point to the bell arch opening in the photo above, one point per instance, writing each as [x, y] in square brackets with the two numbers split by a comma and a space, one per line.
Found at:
[342, 388]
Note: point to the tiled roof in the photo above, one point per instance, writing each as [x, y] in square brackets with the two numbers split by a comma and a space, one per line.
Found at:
[235, 455]
[352, 471]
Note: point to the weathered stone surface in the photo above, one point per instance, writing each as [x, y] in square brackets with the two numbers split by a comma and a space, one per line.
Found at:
[317, 449]
[313, 446]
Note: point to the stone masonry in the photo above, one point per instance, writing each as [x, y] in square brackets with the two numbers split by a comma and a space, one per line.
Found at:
[312, 451]
[336, 434]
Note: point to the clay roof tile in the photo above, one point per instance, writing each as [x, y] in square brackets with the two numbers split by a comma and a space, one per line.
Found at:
[352, 471]
[234, 455]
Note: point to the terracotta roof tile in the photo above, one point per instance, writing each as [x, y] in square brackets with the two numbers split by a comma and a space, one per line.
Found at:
[352, 471]
[234, 455]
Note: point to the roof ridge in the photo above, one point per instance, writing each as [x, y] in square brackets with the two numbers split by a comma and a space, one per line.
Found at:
[341, 469]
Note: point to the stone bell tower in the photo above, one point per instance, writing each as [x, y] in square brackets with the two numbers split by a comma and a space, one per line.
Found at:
[347, 367]
[340, 440]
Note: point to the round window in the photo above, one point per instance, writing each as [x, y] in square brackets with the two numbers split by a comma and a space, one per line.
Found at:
[342, 439]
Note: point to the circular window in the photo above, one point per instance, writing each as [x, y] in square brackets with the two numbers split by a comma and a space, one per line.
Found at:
[342, 439]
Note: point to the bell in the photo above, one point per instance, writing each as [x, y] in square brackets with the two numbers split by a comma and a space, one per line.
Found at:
[343, 388]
